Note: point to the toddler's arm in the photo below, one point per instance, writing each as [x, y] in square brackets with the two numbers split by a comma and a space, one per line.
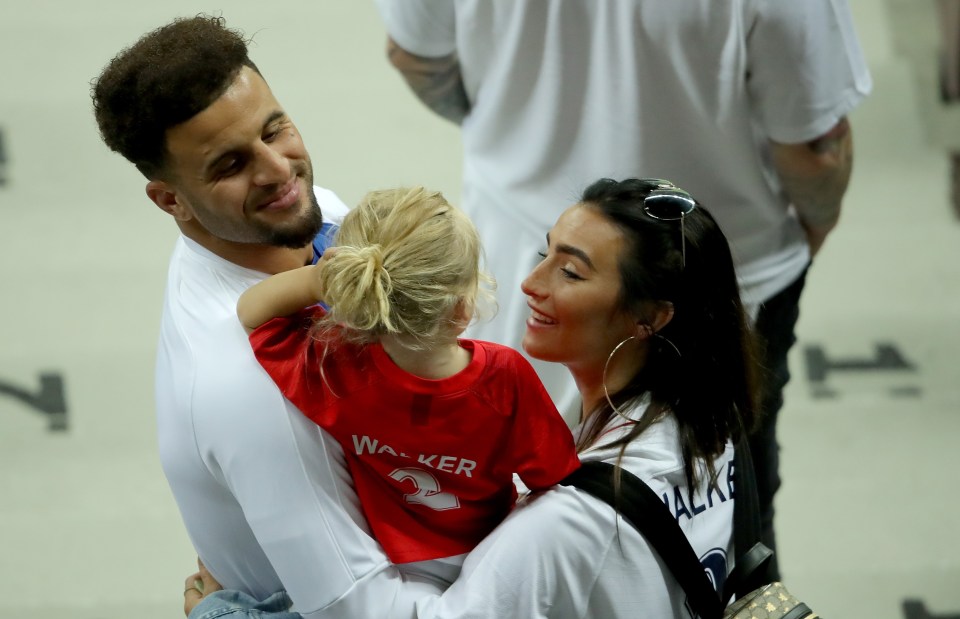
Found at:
[279, 295]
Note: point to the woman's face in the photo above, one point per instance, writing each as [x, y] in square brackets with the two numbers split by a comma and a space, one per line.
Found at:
[573, 293]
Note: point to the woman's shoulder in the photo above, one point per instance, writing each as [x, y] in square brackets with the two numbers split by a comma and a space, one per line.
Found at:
[705, 512]
[655, 453]
[655, 456]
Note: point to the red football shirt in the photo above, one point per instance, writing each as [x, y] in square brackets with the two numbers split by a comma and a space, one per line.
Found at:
[432, 460]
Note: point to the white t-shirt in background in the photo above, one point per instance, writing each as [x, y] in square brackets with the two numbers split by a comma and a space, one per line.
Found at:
[565, 92]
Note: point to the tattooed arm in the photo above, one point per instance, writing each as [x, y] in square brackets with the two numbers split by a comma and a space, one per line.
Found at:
[436, 81]
[815, 176]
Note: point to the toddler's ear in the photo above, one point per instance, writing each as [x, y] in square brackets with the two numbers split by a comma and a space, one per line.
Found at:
[462, 314]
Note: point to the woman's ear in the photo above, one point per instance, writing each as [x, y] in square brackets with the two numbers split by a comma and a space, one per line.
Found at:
[164, 196]
[657, 318]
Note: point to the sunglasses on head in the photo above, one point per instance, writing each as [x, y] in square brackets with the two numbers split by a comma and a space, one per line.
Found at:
[667, 202]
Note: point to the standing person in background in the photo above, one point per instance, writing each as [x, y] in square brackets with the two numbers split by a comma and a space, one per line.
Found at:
[744, 103]
[949, 65]
[433, 426]
[263, 492]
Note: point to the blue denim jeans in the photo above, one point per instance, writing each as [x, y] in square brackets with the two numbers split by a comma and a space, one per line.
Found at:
[237, 605]
[775, 327]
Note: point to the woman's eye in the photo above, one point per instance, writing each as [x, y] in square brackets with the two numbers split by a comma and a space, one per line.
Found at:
[569, 274]
[542, 254]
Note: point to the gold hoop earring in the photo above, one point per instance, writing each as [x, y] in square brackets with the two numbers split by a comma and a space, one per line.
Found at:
[667, 340]
[603, 380]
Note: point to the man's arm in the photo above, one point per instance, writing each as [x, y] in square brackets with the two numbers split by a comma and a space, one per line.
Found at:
[815, 175]
[436, 81]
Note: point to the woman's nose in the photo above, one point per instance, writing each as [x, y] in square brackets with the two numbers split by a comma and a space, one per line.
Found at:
[531, 285]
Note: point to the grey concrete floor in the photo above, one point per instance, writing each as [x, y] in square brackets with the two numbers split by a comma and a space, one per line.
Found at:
[868, 516]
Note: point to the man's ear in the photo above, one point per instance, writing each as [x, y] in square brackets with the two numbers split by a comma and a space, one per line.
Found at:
[164, 196]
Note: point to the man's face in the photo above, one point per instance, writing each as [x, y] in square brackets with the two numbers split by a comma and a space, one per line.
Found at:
[240, 172]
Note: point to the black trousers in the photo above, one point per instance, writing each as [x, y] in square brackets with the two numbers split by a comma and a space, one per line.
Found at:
[775, 327]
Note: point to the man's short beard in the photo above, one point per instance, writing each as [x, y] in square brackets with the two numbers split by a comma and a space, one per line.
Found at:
[307, 228]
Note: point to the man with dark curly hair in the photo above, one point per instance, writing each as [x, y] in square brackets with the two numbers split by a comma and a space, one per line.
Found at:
[264, 496]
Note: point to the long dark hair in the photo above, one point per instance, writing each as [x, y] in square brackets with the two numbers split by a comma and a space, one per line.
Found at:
[710, 387]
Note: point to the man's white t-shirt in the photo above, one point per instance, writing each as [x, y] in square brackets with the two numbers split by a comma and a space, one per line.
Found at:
[263, 492]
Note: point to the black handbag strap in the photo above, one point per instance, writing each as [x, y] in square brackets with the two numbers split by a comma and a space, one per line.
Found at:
[646, 511]
[753, 557]
[640, 506]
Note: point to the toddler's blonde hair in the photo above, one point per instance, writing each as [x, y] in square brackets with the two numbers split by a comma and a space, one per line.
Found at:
[405, 259]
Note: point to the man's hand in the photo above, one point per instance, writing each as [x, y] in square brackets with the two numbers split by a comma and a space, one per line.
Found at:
[198, 586]
[815, 175]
